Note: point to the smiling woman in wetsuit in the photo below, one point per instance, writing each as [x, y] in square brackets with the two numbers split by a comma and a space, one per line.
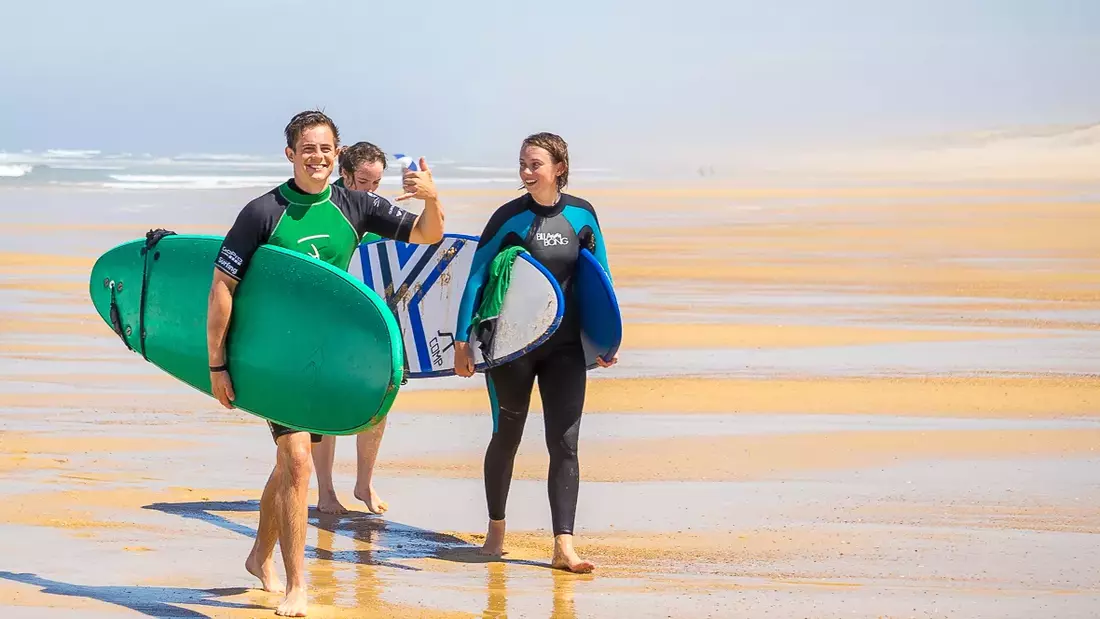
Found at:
[552, 226]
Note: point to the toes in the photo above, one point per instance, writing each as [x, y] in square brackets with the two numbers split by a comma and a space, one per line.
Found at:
[584, 567]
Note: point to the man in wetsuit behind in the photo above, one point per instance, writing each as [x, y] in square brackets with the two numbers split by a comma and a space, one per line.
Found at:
[303, 214]
[361, 168]
[552, 226]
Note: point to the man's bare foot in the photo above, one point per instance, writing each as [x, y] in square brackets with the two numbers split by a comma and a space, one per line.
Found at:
[294, 604]
[494, 540]
[566, 558]
[269, 578]
[329, 504]
[375, 504]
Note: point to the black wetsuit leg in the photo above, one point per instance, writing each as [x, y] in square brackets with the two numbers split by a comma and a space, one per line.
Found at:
[562, 380]
[561, 372]
[510, 387]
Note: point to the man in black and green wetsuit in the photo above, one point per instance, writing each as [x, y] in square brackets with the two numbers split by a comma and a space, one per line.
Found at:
[361, 168]
[304, 214]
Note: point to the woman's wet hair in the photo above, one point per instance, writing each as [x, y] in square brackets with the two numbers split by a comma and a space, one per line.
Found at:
[359, 153]
[558, 149]
[307, 120]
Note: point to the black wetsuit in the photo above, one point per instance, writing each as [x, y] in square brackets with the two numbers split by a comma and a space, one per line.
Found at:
[553, 236]
[327, 225]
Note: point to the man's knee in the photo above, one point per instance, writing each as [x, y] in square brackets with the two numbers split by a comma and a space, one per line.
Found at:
[295, 456]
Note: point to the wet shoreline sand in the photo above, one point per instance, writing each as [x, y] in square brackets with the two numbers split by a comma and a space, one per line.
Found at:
[872, 401]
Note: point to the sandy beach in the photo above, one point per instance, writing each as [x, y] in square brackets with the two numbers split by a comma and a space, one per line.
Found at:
[859, 401]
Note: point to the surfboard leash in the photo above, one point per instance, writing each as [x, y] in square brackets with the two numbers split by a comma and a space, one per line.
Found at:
[151, 239]
[116, 317]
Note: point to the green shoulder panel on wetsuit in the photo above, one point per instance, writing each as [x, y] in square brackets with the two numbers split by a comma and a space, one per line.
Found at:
[313, 225]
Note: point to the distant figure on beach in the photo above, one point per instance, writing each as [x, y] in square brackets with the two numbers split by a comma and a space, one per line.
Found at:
[564, 224]
[361, 168]
[333, 220]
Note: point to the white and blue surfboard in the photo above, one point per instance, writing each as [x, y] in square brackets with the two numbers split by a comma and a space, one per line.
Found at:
[601, 320]
[423, 286]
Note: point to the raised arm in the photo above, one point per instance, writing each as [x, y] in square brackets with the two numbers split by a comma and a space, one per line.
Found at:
[428, 227]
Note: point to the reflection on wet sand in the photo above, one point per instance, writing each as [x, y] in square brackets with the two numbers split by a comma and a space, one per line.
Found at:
[496, 585]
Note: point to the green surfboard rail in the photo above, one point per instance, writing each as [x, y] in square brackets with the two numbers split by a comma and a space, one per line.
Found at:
[308, 346]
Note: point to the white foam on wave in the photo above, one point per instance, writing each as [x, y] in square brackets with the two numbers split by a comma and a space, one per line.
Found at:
[180, 178]
[62, 153]
[515, 169]
[481, 168]
[217, 157]
[475, 181]
[165, 181]
[15, 171]
[86, 166]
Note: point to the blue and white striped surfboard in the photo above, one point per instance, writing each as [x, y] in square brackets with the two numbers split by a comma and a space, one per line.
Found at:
[423, 285]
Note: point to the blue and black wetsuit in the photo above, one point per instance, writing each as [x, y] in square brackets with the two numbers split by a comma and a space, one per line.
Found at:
[552, 235]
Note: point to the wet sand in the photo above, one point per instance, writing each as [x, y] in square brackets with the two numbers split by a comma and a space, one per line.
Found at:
[858, 401]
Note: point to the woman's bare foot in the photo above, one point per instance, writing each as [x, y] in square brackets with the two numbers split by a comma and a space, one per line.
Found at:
[294, 604]
[328, 504]
[375, 504]
[494, 539]
[265, 571]
[566, 558]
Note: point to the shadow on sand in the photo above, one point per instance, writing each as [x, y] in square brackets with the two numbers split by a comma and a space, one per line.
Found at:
[389, 541]
[150, 601]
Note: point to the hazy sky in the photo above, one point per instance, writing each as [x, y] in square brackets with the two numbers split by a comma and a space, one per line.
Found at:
[470, 79]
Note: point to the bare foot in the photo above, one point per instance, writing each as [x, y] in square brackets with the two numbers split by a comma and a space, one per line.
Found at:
[566, 558]
[269, 578]
[329, 504]
[494, 539]
[375, 504]
[294, 604]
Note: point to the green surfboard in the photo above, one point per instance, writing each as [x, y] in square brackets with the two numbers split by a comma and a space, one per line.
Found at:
[309, 346]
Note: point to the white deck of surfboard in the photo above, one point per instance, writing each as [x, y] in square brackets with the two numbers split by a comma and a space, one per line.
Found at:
[424, 285]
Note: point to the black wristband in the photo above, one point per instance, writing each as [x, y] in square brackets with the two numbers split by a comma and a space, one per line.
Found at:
[218, 368]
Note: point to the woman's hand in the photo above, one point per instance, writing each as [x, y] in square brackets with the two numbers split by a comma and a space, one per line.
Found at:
[607, 364]
[464, 360]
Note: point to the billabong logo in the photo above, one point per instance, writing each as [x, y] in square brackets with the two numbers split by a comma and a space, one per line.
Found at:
[550, 239]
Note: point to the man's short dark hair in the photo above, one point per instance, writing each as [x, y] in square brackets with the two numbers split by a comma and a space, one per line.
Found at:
[359, 153]
[307, 120]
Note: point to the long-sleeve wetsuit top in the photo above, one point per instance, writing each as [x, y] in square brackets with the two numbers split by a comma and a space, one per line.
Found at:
[327, 225]
[553, 235]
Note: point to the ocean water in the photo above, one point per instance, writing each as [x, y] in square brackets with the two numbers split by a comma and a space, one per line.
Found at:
[94, 169]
